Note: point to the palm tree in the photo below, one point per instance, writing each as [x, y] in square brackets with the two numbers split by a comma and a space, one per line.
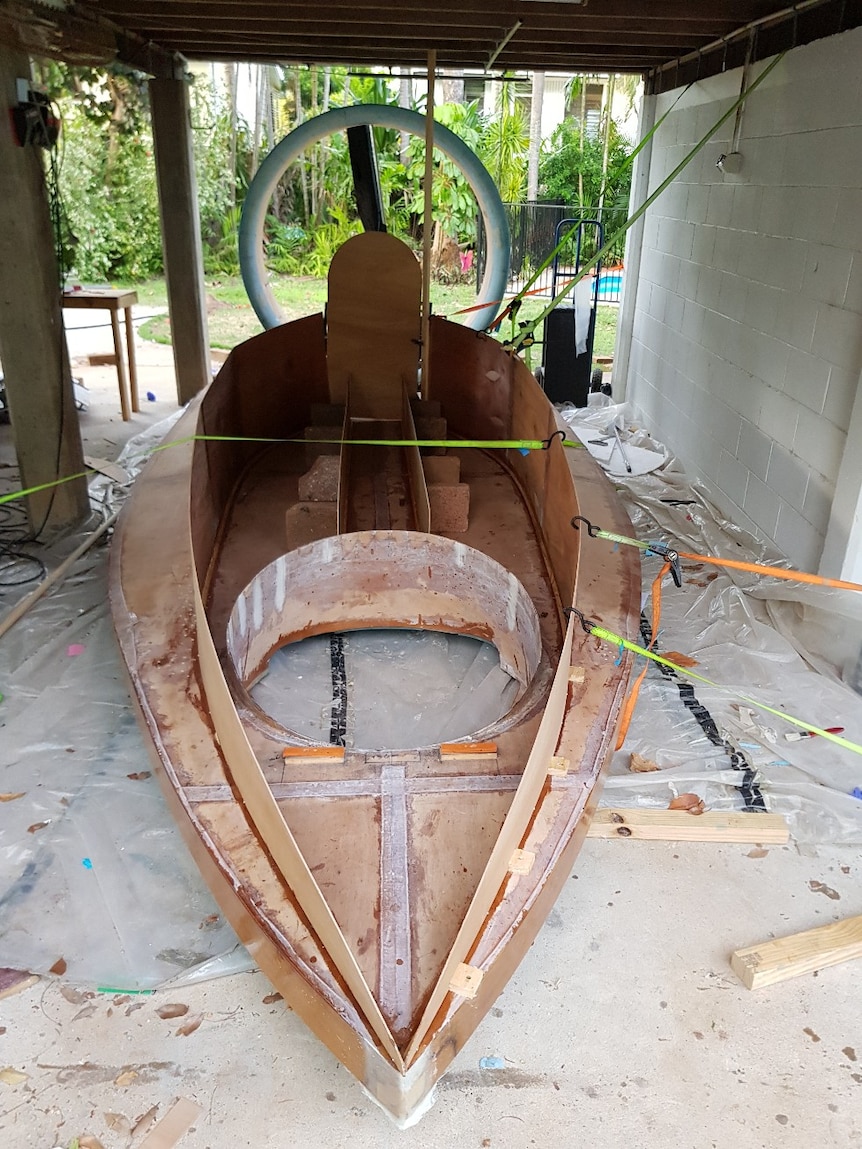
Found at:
[537, 98]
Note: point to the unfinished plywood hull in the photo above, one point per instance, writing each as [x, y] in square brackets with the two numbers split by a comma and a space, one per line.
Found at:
[388, 893]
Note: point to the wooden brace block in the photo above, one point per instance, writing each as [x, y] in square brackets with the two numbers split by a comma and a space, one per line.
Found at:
[783, 958]
[521, 862]
[680, 826]
[577, 675]
[466, 980]
[558, 766]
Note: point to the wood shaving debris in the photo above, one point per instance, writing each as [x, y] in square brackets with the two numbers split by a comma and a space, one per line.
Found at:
[73, 996]
[189, 1027]
[87, 1141]
[272, 997]
[11, 797]
[37, 826]
[679, 658]
[59, 967]
[640, 765]
[172, 1009]
[757, 852]
[10, 1076]
[118, 1123]
[125, 1078]
[688, 802]
[822, 888]
[140, 776]
[87, 1011]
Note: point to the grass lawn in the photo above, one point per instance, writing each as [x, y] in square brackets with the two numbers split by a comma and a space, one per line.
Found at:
[232, 320]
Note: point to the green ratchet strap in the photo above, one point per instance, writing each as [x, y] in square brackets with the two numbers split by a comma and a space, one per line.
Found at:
[620, 642]
[523, 445]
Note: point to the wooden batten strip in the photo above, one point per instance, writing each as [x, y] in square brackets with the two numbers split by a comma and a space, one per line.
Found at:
[313, 753]
[466, 980]
[275, 833]
[521, 862]
[364, 787]
[680, 826]
[784, 958]
[395, 976]
[512, 832]
[467, 749]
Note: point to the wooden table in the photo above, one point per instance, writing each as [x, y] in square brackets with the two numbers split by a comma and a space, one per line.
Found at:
[115, 302]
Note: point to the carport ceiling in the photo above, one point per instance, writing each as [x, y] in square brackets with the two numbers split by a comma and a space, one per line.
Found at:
[672, 40]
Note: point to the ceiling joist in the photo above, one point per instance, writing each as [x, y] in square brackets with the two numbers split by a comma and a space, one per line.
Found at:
[670, 41]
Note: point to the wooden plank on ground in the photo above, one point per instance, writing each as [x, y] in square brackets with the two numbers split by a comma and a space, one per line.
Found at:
[680, 826]
[783, 958]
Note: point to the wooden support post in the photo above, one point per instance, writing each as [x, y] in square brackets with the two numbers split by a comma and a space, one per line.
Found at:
[32, 343]
[788, 957]
[427, 219]
[181, 239]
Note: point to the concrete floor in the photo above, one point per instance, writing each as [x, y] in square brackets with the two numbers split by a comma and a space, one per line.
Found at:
[624, 1024]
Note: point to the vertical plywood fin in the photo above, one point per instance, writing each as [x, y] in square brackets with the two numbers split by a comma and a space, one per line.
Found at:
[344, 467]
[415, 470]
[373, 324]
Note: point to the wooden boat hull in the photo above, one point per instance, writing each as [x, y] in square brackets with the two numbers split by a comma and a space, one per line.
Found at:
[389, 895]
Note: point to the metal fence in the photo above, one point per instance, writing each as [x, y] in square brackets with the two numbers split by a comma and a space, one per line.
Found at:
[533, 228]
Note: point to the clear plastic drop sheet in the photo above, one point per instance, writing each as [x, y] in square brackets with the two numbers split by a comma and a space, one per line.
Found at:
[94, 875]
[398, 690]
[794, 647]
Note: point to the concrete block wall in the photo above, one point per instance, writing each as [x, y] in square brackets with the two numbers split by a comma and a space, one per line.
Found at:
[746, 348]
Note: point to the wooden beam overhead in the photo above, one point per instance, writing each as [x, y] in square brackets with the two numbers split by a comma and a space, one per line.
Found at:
[672, 41]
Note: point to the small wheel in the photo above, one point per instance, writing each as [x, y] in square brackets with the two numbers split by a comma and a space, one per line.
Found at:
[596, 380]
